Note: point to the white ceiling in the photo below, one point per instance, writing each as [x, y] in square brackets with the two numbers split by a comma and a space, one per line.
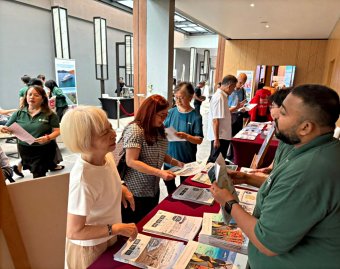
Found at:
[287, 19]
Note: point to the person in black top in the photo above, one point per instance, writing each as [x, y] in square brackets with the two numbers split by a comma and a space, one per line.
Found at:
[198, 97]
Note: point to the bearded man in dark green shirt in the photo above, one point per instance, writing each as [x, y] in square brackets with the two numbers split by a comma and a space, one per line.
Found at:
[296, 221]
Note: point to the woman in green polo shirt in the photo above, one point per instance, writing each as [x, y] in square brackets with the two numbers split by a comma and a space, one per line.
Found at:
[37, 119]
[61, 103]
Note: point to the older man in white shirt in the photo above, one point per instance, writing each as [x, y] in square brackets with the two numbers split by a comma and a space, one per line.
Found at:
[219, 119]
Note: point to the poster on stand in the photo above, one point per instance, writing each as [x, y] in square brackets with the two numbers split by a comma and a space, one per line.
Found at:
[248, 86]
[65, 72]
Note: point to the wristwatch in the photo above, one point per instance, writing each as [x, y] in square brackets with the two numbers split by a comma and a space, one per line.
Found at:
[229, 205]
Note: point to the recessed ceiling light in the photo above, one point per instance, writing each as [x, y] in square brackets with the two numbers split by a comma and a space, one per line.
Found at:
[267, 26]
[252, 4]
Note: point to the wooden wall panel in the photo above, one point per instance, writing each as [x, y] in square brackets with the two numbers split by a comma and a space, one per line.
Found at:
[307, 55]
[333, 54]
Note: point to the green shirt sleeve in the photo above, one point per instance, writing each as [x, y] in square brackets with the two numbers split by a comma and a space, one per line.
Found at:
[57, 92]
[12, 119]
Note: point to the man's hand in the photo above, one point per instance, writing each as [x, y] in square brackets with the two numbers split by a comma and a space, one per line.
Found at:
[238, 177]
[264, 170]
[127, 197]
[217, 143]
[220, 195]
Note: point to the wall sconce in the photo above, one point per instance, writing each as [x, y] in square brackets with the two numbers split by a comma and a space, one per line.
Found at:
[193, 65]
[60, 32]
[100, 47]
[129, 60]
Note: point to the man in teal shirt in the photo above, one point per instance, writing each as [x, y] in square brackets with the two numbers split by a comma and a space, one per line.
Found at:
[296, 221]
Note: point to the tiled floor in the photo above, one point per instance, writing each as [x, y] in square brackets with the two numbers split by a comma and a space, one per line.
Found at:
[69, 157]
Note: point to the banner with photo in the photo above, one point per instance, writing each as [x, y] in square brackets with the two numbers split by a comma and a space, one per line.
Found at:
[65, 72]
[248, 86]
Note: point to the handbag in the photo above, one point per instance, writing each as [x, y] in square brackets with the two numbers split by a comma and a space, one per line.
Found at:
[119, 155]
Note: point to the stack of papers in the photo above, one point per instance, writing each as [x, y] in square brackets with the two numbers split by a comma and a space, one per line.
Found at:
[216, 232]
[150, 252]
[173, 225]
[193, 194]
[201, 256]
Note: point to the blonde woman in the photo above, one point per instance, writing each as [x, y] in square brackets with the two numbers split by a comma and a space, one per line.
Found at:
[95, 189]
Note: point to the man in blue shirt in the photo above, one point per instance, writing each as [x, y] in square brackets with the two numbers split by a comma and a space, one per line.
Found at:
[238, 98]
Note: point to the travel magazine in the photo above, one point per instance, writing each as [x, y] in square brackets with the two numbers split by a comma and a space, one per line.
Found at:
[177, 226]
[201, 256]
[217, 233]
[150, 252]
[193, 194]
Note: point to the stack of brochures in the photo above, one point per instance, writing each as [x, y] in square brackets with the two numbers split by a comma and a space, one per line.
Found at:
[251, 131]
[150, 252]
[201, 256]
[217, 233]
[193, 194]
[173, 225]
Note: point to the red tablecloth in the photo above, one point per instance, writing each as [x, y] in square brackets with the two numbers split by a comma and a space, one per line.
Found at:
[244, 151]
[105, 261]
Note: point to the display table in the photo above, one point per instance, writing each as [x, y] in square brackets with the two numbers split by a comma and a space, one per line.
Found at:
[109, 105]
[4, 136]
[105, 261]
[244, 151]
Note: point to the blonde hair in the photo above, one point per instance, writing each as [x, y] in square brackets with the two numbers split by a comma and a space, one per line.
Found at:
[79, 125]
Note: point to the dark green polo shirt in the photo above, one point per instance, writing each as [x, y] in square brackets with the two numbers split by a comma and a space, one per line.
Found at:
[22, 91]
[298, 209]
[40, 125]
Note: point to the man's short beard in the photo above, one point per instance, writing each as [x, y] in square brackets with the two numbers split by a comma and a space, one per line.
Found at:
[290, 139]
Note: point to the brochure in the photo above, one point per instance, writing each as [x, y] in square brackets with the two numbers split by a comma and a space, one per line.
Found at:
[201, 256]
[202, 178]
[171, 135]
[188, 169]
[224, 182]
[150, 252]
[217, 233]
[193, 194]
[173, 225]
[21, 133]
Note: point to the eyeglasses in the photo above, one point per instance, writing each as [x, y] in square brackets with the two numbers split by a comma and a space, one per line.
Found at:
[162, 116]
[180, 98]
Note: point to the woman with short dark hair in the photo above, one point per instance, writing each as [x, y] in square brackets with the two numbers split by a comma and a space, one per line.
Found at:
[188, 124]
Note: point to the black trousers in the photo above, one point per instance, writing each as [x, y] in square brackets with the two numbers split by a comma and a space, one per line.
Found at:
[171, 184]
[61, 111]
[143, 206]
[198, 108]
[38, 159]
[224, 145]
